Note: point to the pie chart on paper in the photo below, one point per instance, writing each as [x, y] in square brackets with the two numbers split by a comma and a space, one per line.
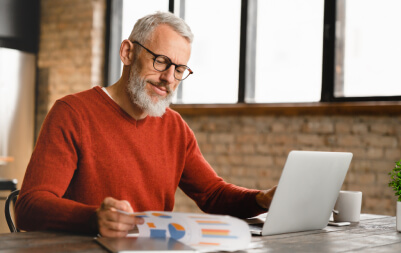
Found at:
[176, 231]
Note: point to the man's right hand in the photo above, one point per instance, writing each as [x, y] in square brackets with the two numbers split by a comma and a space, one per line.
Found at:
[112, 223]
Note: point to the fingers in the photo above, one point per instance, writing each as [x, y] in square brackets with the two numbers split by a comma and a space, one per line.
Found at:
[115, 224]
[129, 208]
[112, 223]
[115, 204]
[264, 198]
[273, 190]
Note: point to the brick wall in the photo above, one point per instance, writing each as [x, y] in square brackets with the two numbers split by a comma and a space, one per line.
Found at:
[71, 50]
[251, 151]
[247, 151]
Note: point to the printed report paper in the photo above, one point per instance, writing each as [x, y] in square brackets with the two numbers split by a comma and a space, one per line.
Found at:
[204, 232]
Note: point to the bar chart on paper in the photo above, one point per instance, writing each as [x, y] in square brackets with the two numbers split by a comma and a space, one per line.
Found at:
[200, 231]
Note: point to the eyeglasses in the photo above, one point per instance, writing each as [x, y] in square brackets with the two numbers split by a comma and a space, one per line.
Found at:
[162, 63]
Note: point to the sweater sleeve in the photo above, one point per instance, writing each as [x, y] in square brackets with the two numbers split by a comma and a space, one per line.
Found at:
[211, 193]
[41, 205]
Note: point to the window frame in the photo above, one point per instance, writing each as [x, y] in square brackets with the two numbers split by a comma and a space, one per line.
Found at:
[329, 51]
[247, 78]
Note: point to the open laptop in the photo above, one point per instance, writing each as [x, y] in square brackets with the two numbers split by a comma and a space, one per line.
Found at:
[306, 193]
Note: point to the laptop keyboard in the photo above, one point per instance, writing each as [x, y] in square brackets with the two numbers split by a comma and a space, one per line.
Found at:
[256, 224]
[256, 227]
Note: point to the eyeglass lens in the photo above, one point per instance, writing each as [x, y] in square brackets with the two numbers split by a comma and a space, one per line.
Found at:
[162, 63]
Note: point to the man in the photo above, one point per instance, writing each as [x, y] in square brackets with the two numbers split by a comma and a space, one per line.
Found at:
[121, 148]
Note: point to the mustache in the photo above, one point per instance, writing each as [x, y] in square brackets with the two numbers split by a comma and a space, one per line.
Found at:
[161, 84]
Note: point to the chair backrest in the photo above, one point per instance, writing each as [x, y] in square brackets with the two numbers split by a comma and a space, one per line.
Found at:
[12, 197]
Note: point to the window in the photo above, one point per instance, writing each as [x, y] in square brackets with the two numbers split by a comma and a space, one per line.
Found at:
[288, 51]
[131, 13]
[215, 52]
[274, 51]
[122, 15]
[134, 10]
[368, 49]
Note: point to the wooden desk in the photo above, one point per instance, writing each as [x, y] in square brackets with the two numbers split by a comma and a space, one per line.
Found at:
[375, 233]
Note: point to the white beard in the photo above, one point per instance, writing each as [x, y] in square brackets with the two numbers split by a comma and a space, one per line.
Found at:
[138, 94]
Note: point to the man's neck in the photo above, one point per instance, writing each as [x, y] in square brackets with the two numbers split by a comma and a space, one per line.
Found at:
[120, 95]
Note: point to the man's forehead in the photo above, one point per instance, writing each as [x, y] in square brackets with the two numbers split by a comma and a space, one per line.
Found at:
[163, 34]
[165, 40]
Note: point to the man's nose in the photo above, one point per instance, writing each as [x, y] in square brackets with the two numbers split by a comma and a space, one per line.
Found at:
[168, 74]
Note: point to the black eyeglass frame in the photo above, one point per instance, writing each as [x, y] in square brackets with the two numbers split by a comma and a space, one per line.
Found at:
[168, 64]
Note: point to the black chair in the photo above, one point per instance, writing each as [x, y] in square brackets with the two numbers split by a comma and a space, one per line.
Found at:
[8, 184]
[12, 197]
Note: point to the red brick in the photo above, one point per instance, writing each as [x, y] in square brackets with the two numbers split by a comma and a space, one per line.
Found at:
[374, 140]
[360, 128]
[250, 138]
[382, 128]
[220, 148]
[374, 153]
[318, 127]
[393, 154]
[257, 160]
[221, 138]
[310, 140]
[278, 127]
[264, 148]
[285, 139]
[349, 140]
[342, 127]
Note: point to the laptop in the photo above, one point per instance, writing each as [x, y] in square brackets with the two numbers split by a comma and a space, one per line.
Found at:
[306, 193]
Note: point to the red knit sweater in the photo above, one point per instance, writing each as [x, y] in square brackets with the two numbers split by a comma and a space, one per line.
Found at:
[89, 148]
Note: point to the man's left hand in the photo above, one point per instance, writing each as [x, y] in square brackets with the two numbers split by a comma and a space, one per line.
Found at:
[264, 198]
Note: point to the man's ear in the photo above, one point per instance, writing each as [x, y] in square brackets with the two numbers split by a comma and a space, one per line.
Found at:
[127, 52]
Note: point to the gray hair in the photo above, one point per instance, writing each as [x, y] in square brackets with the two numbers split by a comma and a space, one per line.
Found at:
[145, 26]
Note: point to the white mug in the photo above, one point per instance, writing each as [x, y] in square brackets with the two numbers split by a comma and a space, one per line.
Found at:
[348, 206]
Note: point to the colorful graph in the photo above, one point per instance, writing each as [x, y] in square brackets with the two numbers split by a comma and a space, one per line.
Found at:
[161, 215]
[176, 231]
[217, 233]
[209, 232]
[140, 215]
[208, 244]
[158, 233]
[211, 222]
[151, 225]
